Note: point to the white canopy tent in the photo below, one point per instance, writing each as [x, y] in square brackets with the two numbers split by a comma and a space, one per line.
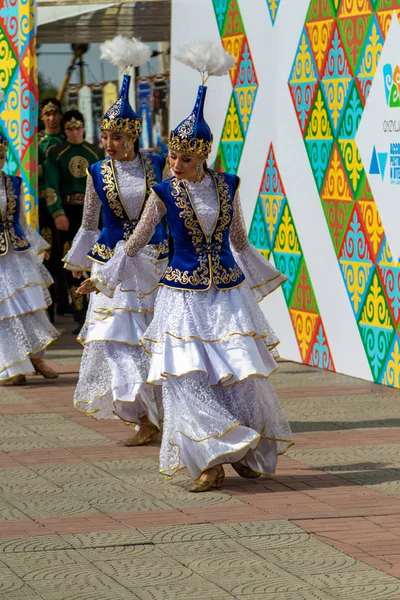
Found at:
[67, 21]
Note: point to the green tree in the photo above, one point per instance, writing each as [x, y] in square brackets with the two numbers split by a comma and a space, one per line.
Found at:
[47, 89]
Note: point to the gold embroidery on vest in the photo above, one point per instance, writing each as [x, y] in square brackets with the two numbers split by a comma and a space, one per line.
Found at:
[16, 241]
[111, 189]
[221, 275]
[150, 172]
[103, 251]
[161, 248]
[203, 246]
[201, 275]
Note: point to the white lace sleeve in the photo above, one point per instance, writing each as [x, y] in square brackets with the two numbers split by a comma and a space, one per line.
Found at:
[133, 260]
[151, 216]
[76, 259]
[261, 275]
[238, 232]
[38, 244]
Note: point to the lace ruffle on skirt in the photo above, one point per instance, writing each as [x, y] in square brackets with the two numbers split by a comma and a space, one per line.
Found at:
[20, 337]
[111, 384]
[19, 272]
[114, 366]
[211, 316]
[207, 425]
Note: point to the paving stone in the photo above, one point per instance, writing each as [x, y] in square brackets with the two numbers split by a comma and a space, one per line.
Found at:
[306, 593]
[103, 539]
[115, 503]
[266, 587]
[313, 378]
[84, 593]
[10, 396]
[145, 571]
[8, 512]
[68, 473]
[127, 467]
[266, 542]
[261, 528]
[238, 569]
[23, 593]
[185, 552]
[196, 588]
[39, 506]
[377, 467]
[27, 482]
[52, 429]
[143, 475]
[357, 585]
[9, 581]
[33, 544]
[183, 533]
[122, 553]
[177, 496]
[311, 557]
[64, 575]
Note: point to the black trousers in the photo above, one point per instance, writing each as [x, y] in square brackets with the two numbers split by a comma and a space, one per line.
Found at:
[59, 290]
[79, 302]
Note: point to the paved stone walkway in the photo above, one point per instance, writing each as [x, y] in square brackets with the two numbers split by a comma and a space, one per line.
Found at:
[84, 518]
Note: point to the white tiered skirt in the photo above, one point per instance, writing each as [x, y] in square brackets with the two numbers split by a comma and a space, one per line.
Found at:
[25, 328]
[212, 353]
[113, 374]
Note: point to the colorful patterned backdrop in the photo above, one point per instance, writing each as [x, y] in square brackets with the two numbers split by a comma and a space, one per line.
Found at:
[272, 228]
[18, 78]
[334, 68]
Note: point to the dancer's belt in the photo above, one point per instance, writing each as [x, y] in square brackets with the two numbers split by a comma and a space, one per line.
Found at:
[74, 199]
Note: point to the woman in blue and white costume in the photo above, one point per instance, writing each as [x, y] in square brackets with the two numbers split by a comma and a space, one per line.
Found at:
[114, 366]
[209, 342]
[25, 329]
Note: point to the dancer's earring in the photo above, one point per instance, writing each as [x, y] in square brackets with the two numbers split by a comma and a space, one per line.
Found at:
[127, 147]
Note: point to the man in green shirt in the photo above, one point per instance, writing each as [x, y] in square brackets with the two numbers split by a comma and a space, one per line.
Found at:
[51, 135]
[65, 177]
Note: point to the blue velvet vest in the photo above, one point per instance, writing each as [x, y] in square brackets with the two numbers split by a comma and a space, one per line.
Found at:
[117, 224]
[198, 260]
[11, 232]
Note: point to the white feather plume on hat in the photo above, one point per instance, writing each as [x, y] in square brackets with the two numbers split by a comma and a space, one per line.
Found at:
[208, 58]
[124, 52]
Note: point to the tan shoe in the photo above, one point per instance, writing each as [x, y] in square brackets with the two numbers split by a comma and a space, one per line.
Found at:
[210, 478]
[17, 380]
[146, 434]
[42, 368]
[245, 472]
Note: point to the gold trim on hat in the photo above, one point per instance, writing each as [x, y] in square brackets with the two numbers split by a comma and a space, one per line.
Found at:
[74, 124]
[50, 107]
[131, 127]
[193, 146]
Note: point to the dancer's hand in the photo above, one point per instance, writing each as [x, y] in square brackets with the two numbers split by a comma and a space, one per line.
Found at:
[87, 287]
[77, 274]
[61, 223]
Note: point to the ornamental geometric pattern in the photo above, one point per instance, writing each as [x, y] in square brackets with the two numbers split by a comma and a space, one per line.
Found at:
[273, 7]
[18, 79]
[272, 228]
[273, 231]
[244, 83]
[332, 74]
